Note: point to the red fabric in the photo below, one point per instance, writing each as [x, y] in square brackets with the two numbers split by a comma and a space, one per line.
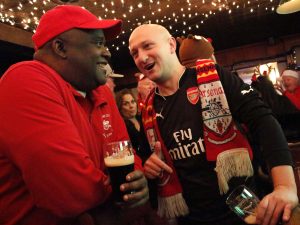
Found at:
[220, 131]
[253, 78]
[73, 17]
[50, 147]
[294, 97]
[168, 184]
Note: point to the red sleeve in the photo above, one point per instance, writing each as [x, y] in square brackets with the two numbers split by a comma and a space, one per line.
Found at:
[40, 139]
[294, 97]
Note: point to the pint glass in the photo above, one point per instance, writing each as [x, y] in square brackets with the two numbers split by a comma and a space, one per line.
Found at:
[119, 160]
[243, 202]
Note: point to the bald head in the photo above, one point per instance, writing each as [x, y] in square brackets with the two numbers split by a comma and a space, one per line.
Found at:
[150, 29]
[153, 50]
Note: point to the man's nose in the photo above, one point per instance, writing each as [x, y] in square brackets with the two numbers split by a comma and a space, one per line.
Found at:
[142, 57]
[105, 52]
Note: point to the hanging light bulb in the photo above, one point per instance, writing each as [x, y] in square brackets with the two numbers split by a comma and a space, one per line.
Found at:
[288, 6]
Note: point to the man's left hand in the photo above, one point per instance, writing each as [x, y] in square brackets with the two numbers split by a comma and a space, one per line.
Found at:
[137, 187]
[276, 206]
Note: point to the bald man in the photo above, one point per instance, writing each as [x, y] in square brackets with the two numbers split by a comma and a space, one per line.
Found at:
[188, 121]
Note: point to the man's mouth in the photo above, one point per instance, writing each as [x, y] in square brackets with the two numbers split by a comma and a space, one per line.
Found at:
[101, 66]
[149, 66]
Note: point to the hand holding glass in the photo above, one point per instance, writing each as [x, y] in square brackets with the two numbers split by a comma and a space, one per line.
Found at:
[119, 160]
[243, 202]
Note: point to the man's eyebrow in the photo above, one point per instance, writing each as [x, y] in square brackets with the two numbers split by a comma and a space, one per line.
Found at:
[140, 44]
[144, 42]
[131, 51]
[98, 38]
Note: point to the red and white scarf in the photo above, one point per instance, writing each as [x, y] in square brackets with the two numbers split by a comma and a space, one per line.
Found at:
[223, 141]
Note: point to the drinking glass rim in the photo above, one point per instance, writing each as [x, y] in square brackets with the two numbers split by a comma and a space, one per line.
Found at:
[116, 142]
[238, 187]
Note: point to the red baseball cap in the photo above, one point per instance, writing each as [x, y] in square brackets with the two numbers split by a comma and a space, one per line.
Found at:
[66, 17]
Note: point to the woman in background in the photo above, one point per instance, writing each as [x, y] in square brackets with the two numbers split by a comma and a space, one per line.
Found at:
[128, 108]
[127, 105]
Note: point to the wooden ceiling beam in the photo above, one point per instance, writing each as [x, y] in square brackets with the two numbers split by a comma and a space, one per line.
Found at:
[15, 35]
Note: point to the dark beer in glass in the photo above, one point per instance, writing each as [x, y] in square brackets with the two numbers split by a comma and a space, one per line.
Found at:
[119, 160]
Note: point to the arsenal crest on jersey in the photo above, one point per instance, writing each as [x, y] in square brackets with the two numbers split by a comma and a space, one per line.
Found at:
[193, 95]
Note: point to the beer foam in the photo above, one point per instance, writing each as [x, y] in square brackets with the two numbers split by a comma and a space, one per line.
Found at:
[114, 162]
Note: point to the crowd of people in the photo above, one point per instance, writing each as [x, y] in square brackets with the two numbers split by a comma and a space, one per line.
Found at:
[283, 99]
[59, 111]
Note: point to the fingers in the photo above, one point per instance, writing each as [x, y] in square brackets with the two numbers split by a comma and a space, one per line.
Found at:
[261, 210]
[136, 189]
[137, 198]
[287, 213]
[272, 209]
[151, 173]
[157, 148]
[160, 163]
[154, 165]
[269, 211]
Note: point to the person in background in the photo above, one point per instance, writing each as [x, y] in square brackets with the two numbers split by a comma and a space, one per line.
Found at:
[282, 107]
[279, 103]
[127, 106]
[199, 154]
[291, 85]
[56, 117]
[110, 77]
[144, 86]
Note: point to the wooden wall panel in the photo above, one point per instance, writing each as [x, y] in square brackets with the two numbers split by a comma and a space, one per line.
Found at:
[15, 35]
[273, 48]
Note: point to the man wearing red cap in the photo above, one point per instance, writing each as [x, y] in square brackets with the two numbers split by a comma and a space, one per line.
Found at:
[291, 83]
[56, 116]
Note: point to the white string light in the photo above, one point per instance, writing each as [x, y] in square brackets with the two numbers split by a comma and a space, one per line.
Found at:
[192, 13]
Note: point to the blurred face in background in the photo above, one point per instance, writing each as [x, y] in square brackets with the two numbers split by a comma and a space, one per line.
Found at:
[144, 87]
[128, 106]
[290, 83]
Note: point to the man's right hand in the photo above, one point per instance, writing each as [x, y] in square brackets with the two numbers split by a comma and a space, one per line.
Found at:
[154, 165]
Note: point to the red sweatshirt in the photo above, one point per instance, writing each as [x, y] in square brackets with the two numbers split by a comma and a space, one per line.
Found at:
[51, 141]
[294, 97]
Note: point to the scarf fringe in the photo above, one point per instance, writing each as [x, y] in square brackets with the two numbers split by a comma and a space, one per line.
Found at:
[172, 206]
[232, 163]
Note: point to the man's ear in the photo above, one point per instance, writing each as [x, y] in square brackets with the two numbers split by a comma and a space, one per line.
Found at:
[173, 45]
[58, 47]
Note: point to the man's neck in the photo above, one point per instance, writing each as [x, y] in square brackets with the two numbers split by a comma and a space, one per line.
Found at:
[171, 85]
